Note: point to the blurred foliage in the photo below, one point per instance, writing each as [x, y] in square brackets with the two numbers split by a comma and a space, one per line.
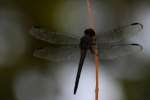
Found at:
[137, 90]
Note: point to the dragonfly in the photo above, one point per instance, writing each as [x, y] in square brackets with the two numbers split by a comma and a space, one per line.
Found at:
[64, 47]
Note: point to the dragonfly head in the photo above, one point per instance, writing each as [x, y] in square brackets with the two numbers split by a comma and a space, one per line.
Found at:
[89, 32]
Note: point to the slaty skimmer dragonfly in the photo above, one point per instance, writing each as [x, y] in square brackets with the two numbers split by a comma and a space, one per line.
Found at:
[66, 47]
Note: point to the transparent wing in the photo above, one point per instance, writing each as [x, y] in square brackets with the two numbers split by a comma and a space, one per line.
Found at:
[58, 53]
[114, 35]
[116, 50]
[53, 37]
[72, 52]
[64, 47]
[119, 33]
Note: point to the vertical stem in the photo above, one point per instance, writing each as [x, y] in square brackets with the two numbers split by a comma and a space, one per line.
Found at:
[97, 74]
[97, 61]
[91, 19]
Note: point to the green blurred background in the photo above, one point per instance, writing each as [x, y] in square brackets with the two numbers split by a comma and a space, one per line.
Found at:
[24, 77]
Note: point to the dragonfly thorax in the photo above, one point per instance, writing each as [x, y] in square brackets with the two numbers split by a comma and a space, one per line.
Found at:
[88, 41]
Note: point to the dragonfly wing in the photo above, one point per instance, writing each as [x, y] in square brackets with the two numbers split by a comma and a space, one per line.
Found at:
[117, 50]
[53, 37]
[58, 52]
[119, 33]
